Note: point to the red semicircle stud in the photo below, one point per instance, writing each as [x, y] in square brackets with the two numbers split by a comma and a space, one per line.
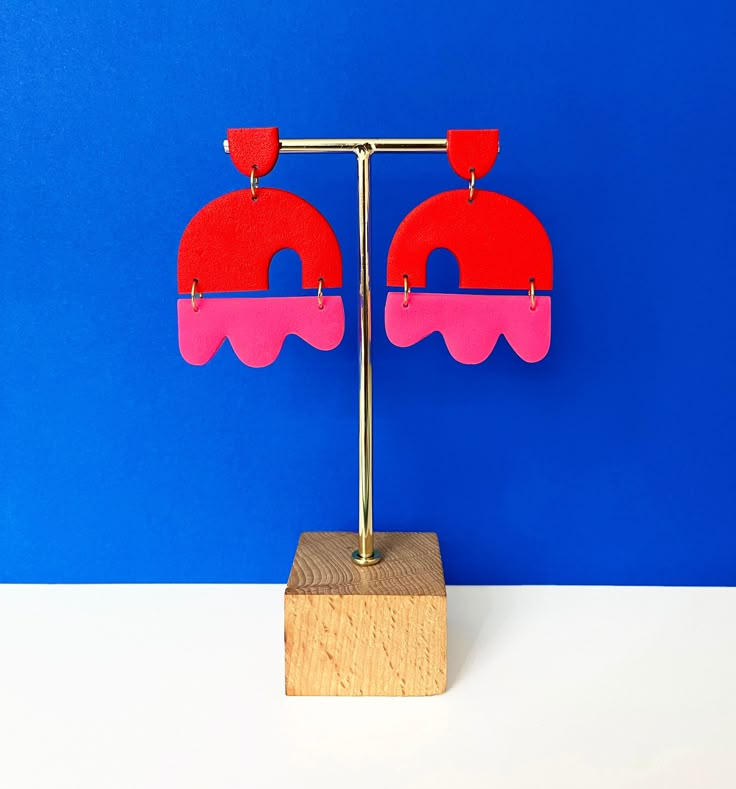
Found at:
[257, 148]
[472, 150]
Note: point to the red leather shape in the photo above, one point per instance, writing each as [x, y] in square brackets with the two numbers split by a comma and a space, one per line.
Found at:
[498, 242]
[472, 149]
[254, 148]
[228, 244]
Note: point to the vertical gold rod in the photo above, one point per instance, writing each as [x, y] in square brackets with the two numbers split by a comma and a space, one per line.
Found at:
[366, 554]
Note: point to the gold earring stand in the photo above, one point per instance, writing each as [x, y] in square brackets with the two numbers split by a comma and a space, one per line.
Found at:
[376, 625]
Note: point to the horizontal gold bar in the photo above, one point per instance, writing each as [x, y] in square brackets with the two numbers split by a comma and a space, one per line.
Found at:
[349, 145]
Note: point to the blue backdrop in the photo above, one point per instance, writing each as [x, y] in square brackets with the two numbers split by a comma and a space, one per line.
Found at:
[612, 461]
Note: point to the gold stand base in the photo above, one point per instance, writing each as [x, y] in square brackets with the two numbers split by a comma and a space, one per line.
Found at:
[366, 631]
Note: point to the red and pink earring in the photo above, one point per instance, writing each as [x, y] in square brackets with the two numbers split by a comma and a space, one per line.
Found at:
[499, 245]
[227, 247]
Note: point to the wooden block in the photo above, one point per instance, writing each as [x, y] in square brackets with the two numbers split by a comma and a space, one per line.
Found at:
[366, 631]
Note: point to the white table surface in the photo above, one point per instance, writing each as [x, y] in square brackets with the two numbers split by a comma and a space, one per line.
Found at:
[182, 686]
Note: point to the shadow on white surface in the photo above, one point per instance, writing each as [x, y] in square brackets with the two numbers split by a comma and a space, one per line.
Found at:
[463, 634]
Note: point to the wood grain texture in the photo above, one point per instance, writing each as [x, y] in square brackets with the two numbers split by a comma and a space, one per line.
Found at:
[366, 631]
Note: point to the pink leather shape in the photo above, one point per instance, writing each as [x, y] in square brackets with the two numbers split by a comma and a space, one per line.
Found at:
[471, 324]
[257, 327]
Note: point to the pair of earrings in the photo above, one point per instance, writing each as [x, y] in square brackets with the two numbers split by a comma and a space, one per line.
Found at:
[228, 246]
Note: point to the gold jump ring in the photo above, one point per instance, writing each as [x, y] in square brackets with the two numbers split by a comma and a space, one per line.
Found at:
[471, 185]
[532, 295]
[407, 290]
[320, 300]
[195, 282]
[254, 183]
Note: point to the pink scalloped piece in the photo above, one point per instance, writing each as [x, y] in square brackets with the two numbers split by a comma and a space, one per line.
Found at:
[257, 327]
[471, 324]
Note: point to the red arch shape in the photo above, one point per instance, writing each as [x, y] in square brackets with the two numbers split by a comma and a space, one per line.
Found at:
[498, 242]
[228, 244]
